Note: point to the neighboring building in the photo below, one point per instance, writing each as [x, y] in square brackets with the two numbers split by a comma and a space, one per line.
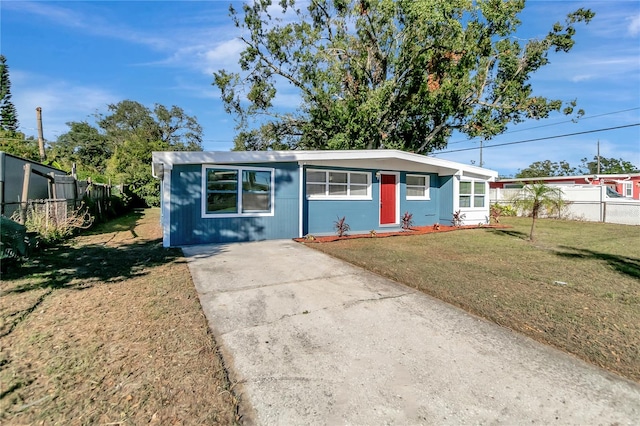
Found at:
[627, 185]
[12, 180]
[213, 197]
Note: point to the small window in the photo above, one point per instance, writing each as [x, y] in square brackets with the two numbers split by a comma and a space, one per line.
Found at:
[237, 191]
[256, 191]
[465, 194]
[330, 184]
[338, 184]
[417, 187]
[478, 194]
[222, 191]
[472, 194]
[627, 189]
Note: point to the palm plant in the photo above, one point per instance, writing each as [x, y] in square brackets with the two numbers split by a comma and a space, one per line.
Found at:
[537, 197]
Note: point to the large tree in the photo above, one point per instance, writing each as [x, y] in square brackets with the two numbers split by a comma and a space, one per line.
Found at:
[398, 74]
[547, 168]
[171, 126]
[17, 143]
[608, 166]
[8, 113]
[120, 147]
[85, 146]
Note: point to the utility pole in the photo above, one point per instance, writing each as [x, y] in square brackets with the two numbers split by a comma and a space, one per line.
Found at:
[40, 135]
[598, 156]
[481, 163]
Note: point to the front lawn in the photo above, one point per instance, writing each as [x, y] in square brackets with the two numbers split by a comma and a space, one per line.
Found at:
[577, 287]
[107, 329]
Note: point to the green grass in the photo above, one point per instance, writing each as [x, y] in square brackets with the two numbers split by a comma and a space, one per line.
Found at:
[107, 328]
[577, 287]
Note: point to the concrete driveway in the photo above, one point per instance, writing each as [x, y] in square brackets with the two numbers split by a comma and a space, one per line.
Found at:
[313, 340]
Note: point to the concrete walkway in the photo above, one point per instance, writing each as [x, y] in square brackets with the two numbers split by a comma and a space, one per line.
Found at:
[312, 340]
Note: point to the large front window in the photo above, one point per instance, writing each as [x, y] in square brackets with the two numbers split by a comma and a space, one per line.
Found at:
[338, 184]
[235, 191]
[472, 194]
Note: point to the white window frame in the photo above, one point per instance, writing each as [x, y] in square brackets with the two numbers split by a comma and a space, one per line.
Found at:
[627, 189]
[239, 170]
[473, 194]
[327, 183]
[426, 186]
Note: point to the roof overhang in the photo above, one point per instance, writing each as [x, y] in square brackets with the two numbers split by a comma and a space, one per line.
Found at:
[586, 178]
[379, 159]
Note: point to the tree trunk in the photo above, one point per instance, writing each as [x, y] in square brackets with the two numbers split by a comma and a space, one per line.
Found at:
[533, 224]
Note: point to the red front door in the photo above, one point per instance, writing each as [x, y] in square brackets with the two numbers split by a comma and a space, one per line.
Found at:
[387, 199]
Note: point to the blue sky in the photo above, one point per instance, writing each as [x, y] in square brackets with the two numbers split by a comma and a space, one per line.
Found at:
[73, 58]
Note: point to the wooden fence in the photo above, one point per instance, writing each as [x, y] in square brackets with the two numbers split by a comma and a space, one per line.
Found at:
[66, 194]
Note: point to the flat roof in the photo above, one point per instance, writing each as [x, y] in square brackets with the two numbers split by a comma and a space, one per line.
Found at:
[383, 159]
[590, 177]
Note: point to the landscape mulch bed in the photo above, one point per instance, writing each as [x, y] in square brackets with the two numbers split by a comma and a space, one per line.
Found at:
[417, 230]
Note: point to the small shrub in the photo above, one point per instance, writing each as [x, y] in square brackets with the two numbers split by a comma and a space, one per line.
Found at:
[54, 228]
[373, 233]
[509, 210]
[495, 212]
[407, 221]
[341, 226]
[458, 218]
[436, 226]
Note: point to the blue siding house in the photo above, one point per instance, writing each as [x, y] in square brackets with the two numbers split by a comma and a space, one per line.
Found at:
[232, 196]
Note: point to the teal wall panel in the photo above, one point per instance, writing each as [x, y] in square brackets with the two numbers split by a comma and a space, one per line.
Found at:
[189, 227]
[364, 215]
[446, 199]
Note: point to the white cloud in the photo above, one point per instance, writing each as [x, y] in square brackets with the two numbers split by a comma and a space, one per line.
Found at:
[223, 55]
[205, 59]
[582, 77]
[634, 25]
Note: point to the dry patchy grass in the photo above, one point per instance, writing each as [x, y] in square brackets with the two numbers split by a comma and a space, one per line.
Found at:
[577, 287]
[108, 329]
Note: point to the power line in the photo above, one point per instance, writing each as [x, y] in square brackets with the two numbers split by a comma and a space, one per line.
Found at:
[539, 139]
[554, 124]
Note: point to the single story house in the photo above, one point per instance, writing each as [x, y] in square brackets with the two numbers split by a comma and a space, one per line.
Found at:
[626, 185]
[214, 197]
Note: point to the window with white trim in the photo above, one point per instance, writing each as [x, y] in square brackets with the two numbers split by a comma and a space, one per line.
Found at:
[338, 184]
[627, 189]
[417, 187]
[472, 194]
[237, 191]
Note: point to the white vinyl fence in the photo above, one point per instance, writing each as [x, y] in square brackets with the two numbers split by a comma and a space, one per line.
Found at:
[584, 202]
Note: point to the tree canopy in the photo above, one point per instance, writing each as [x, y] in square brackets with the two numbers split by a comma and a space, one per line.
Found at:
[608, 166]
[119, 148]
[17, 143]
[548, 168]
[8, 113]
[400, 74]
[562, 168]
